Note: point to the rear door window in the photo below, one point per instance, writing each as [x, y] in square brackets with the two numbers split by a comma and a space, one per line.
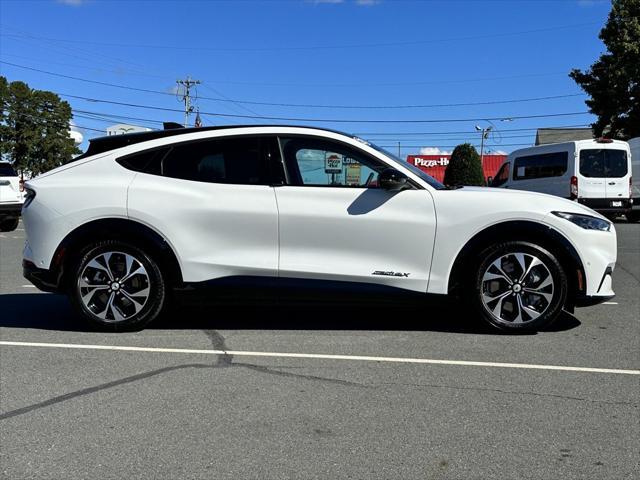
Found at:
[603, 163]
[502, 176]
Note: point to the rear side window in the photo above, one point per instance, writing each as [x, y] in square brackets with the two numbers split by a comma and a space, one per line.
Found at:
[603, 163]
[149, 161]
[237, 160]
[7, 170]
[540, 166]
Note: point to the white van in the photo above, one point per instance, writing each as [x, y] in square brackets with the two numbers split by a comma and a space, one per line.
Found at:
[596, 173]
[634, 146]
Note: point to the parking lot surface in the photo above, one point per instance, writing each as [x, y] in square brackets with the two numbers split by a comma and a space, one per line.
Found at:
[369, 392]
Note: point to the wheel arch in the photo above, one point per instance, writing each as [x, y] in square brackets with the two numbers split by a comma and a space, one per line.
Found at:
[538, 233]
[122, 229]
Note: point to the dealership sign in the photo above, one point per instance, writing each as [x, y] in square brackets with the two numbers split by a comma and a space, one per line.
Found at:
[332, 163]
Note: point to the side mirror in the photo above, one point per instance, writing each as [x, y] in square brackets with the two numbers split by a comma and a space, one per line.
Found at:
[392, 180]
[489, 181]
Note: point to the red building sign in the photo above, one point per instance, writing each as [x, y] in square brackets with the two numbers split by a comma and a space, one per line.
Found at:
[435, 165]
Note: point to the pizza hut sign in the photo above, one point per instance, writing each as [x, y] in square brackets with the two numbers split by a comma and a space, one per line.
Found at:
[430, 163]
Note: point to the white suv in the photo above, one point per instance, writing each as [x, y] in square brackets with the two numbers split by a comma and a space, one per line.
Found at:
[141, 216]
[10, 198]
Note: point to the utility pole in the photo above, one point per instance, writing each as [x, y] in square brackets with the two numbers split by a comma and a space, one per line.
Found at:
[186, 96]
[485, 134]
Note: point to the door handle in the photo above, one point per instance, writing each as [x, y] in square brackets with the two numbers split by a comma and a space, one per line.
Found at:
[612, 183]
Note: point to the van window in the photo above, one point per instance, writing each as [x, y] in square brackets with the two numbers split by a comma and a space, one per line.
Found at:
[603, 163]
[540, 166]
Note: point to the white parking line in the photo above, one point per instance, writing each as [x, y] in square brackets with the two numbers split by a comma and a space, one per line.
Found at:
[319, 356]
[610, 303]
[28, 286]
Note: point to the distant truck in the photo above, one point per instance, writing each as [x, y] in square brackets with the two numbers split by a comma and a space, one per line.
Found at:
[595, 173]
[634, 146]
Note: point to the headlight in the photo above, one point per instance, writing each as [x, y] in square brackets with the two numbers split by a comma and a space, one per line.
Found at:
[585, 221]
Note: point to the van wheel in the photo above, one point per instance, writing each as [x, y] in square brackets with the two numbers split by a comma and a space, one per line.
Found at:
[519, 286]
[9, 225]
[633, 216]
[116, 286]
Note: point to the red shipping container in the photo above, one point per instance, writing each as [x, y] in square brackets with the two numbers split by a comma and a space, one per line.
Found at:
[435, 165]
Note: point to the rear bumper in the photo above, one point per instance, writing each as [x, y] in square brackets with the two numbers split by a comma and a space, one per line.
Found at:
[43, 279]
[589, 301]
[606, 204]
[10, 210]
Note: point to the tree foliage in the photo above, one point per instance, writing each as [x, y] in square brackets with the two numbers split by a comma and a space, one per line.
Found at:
[613, 81]
[465, 167]
[34, 128]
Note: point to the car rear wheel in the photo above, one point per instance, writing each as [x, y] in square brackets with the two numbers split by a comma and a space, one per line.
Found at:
[116, 286]
[519, 286]
[9, 225]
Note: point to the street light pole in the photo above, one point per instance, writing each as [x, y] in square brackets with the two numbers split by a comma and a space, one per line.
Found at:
[484, 134]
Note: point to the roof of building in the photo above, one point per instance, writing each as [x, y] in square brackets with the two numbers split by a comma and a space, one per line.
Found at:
[559, 135]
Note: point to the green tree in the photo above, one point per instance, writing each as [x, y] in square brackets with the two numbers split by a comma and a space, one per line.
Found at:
[464, 167]
[34, 128]
[613, 81]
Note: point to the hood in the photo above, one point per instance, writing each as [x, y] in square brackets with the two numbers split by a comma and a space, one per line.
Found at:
[538, 201]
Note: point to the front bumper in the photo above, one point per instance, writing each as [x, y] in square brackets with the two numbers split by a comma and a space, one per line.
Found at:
[43, 279]
[606, 205]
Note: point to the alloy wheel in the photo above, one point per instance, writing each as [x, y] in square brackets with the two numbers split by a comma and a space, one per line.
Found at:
[517, 288]
[114, 286]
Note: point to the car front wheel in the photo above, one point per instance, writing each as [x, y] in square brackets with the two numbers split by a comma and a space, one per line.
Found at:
[519, 286]
[117, 286]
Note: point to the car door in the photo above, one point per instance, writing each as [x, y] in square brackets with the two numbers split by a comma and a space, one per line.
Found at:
[336, 224]
[213, 201]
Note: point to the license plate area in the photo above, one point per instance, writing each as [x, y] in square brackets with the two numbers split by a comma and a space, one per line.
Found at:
[616, 203]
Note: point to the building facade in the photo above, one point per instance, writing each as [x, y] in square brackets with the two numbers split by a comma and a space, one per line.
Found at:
[435, 165]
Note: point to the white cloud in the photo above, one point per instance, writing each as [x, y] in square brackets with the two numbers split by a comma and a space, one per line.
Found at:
[433, 151]
[368, 3]
[72, 3]
[497, 152]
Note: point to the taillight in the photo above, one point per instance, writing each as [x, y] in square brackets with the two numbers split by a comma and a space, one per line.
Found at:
[28, 197]
[21, 185]
[574, 188]
[630, 187]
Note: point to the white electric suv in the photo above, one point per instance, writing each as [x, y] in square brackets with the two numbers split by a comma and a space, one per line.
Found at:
[143, 216]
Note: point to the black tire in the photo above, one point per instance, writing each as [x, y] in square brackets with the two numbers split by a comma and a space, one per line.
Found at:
[633, 216]
[9, 225]
[136, 302]
[531, 295]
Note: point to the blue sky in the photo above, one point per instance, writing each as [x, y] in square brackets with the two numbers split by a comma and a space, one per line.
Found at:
[345, 53]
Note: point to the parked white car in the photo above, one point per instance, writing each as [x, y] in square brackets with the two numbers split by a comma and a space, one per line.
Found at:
[11, 198]
[595, 173]
[140, 216]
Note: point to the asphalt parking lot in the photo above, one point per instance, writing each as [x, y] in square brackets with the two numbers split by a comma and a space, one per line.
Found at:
[369, 393]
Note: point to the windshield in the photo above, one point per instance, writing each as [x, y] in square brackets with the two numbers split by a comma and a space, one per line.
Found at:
[427, 178]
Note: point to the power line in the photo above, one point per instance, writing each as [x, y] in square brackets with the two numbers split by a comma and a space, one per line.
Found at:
[223, 98]
[308, 47]
[327, 120]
